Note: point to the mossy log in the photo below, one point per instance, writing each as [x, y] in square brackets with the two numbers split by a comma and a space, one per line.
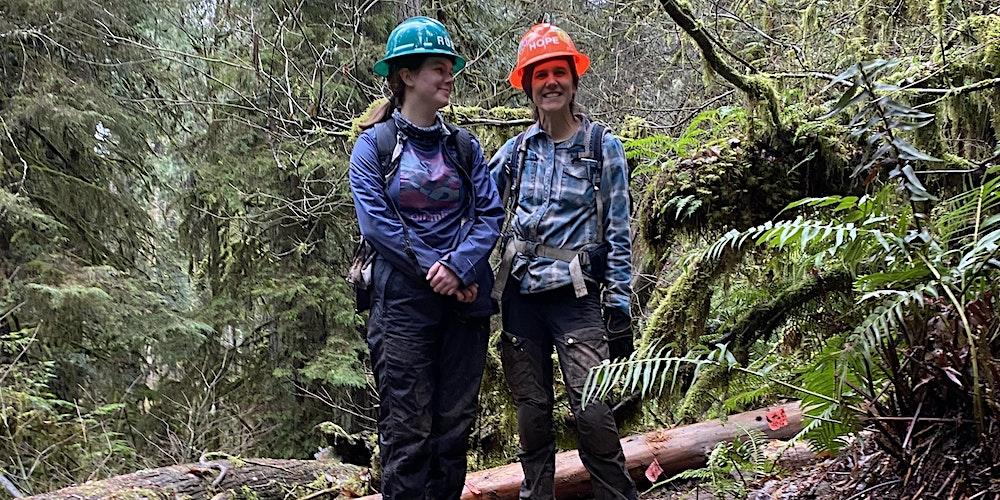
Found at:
[259, 478]
[742, 183]
[676, 450]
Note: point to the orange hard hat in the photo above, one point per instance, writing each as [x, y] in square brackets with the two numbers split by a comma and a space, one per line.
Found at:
[545, 41]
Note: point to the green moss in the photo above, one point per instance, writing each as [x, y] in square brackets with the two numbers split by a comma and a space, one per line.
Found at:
[458, 113]
[810, 19]
[707, 73]
[633, 127]
[491, 126]
[356, 122]
[678, 320]
[937, 11]
[700, 396]
[245, 493]
[987, 30]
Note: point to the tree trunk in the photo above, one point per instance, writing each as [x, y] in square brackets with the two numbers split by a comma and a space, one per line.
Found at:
[407, 8]
[676, 450]
[266, 478]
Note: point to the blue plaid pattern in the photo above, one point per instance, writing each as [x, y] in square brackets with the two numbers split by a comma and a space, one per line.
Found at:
[557, 208]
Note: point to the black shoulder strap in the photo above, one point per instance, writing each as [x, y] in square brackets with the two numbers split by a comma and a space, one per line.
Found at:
[388, 143]
[597, 131]
[463, 144]
[594, 149]
[386, 139]
[511, 170]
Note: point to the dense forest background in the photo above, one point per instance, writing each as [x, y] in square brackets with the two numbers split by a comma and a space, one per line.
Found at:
[175, 222]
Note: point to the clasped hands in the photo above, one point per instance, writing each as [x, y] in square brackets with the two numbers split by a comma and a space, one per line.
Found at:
[445, 282]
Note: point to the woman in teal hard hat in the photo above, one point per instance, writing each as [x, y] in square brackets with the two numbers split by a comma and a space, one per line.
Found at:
[429, 210]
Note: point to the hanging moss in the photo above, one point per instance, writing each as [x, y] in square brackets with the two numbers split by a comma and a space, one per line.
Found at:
[679, 317]
[987, 30]
[810, 19]
[707, 73]
[937, 10]
[701, 395]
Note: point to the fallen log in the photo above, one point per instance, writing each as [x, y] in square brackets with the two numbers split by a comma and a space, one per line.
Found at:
[265, 478]
[676, 450]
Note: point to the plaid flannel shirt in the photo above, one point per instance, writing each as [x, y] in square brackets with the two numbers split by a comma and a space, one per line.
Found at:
[557, 208]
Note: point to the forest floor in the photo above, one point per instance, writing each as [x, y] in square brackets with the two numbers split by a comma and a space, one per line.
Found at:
[856, 473]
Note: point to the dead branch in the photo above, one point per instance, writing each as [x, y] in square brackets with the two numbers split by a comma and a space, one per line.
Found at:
[676, 450]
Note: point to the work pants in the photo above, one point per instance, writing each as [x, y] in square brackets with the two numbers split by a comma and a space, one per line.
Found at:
[534, 324]
[428, 360]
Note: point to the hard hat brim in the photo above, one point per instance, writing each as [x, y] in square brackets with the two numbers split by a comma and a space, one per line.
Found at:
[381, 68]
[580, 61]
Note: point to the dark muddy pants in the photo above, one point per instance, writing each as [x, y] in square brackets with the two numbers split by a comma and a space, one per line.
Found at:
[533, 324]
[428, 360]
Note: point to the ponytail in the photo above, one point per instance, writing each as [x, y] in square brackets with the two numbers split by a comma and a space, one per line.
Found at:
[379, 113]
[383, 111]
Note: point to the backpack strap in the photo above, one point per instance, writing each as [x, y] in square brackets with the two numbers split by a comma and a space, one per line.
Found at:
[463, 144]
[593, 148]
[509, 196]
[511, 175]
[389, 141]
[389, 144]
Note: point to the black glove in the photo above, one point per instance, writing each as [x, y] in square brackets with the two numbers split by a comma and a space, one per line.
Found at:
[618, 324]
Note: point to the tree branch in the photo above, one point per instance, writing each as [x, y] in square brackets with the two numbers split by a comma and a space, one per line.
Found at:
[763, 319]
[964, 89]
[754, 89]
[9, 486]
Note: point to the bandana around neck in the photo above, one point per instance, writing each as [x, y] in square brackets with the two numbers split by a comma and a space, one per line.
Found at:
[422, 134]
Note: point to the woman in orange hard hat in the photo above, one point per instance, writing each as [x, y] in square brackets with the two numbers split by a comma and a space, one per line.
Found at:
[565, 272]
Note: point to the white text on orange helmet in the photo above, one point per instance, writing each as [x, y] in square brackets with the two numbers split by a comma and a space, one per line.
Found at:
[540, 43]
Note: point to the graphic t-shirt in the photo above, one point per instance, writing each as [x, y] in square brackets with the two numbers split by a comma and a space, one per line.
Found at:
[429, 192]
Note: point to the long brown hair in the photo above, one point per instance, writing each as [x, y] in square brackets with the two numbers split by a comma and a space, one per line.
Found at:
[384, 111]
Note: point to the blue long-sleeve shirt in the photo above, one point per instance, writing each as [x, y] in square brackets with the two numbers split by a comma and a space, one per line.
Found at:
[461, 240]
[557, 208]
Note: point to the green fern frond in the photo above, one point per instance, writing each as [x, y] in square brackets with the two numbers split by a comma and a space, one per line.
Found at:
[802, 233]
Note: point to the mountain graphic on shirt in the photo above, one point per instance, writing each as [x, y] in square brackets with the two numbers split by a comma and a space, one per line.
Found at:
[427, 183]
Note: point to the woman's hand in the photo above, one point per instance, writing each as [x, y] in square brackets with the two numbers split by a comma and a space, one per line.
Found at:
[468, 295]
[443, 280]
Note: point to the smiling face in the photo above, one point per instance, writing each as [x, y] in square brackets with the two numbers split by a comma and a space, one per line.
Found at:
[431, 83]
[552, 86]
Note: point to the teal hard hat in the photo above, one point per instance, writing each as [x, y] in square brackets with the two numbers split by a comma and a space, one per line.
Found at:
[418, 35]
